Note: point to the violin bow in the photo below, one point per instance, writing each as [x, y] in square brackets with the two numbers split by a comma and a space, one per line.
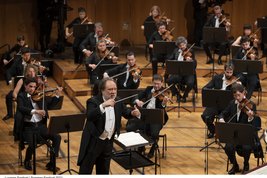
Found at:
[122, 73]
[189, 49]
[120, 100]
[103, 58]
[247, 53]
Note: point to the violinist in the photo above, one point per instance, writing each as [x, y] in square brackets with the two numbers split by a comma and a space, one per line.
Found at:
[222, 82]
[182, 53]
[101, 53]
[31, 117]
[247, 52]
[77, 41]
[215, 21]
[157, 36]
[247, 31]
[152, 130]
[243, 111]
[130, 73]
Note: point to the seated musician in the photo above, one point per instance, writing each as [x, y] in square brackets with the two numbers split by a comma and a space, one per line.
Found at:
[152, 130]
[247, 31]
[235, 112]
[222, 82]
[128, 73]
[247, 53]
[30, 71]
[93, 62]
[182, 53]
[157, 36]
[32, 118]
[215, 21]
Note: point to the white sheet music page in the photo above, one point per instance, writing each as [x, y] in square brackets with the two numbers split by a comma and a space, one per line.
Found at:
[131, 139]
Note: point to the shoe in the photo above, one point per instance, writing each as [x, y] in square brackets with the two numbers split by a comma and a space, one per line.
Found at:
[183, 100]
[28, 165]
[245, 168]
[7, 117]
[210, 135]
[234, 169]
[151, 152]
[141, 149]
[50, 167]
[220, 62]
[210, 61]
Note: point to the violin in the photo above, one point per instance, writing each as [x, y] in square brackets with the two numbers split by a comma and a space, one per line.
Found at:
[245, 105]
[254, 37]
[135, 71]
[187, 53]
[223, 20]
[106, 39]
[162, 93]
[232, 80]
[250, 53]
[38, 95]
[167, 35]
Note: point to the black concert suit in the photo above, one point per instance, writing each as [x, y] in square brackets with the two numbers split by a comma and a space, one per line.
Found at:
[17, 69]
[209, 113]
[93, 74]
[149, 19]
[122, 83]
[222, 46]
[24, 127]
[188, 80]
[242, 150]
[154, 58]
[78, 56]
[89, 42]
[93, 150]
[15, 49]
[250, 81]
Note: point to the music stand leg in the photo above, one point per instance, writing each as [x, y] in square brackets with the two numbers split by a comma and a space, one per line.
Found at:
[212, 71]
[34, 152]
[179, 105]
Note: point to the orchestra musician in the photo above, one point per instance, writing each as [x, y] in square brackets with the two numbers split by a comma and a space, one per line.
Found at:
[247, 52]
[182, 53]
[222, 82]
[152, 130]
[247, 31]
[93, 62]
[128, 74]
[31, 116]
[240, 111]
[78, 57]
[157, 36]
[217, 20]
[103, 122]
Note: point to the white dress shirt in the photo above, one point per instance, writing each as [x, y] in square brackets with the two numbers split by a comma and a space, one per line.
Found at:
[35, 117]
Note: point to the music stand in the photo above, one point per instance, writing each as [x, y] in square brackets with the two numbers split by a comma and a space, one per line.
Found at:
[249, 66]
[115, 50]
[180, 68]
[67, 123]
[234, 51]
[149, 29]
[214, 35]
[81, 30]
[214, 98]
[123, 93]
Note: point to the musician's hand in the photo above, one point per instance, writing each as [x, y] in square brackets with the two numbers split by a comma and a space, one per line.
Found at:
[250, 113]
[5, 61]
[136, 112]
[252, 56]
[114, 59]
[136, 76]
[221, 120]
[41, 69]
[188, 59]
[67, 34]
[59, 90]
[142, 27]
[87, 53]
[150, 45]
[93, 66]
[40, 112]
[14, 96]
[105, 75]
[228, 24]
[110, 102]
[139, 103]
[165, 100]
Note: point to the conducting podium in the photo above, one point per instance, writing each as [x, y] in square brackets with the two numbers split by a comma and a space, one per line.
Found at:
[67, 124]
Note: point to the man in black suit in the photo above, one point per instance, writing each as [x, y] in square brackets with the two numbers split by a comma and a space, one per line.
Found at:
[32, 118]
[129, 78]
[19, 65]
[103, 122]
[219, 82]
[235, 113]
[141, 100]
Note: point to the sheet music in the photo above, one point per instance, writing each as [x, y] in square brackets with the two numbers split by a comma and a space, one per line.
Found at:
[131, 139]
[259, 171]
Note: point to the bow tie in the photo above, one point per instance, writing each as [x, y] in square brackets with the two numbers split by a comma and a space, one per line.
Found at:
[28, 95]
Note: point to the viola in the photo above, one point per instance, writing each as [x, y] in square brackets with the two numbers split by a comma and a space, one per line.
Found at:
[38, 95]
[162, 93]
[167, 35]
[245, 105]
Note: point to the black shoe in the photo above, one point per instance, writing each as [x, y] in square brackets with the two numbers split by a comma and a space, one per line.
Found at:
[151, 152]
[210, 61]
[245, 168]
[220, 62]
[234, 169]
[210, 135]
[28, 165]
[7, 117]
[50, 167]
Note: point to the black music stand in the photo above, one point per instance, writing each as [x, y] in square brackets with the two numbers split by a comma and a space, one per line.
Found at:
[214, 35]
[249, 66]
[81, 30]
[180, 68]
[149, 29]
[67, 123]
[123, 93]
[234, 51]
[218, 99]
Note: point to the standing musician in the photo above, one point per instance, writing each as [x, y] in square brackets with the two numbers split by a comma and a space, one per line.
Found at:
[77, 41]
[152, 130]
[247, 31]
[15, 49]
[103, 122]
[158, 36]
[88, 45]
[221, 82]
[93, 62]
[31, 117]
[243, 111]
[247, 53]
[182, 53]
[128, 73]
[217, 20]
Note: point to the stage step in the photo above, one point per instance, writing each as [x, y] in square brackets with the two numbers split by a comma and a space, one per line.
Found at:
[77, 87]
